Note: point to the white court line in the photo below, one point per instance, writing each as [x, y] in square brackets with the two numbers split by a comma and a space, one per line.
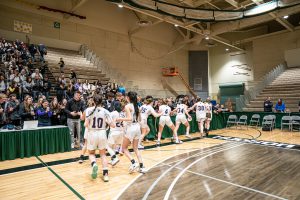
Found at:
[168, 170]
[131, 182]
[230, 183]
[185, 169]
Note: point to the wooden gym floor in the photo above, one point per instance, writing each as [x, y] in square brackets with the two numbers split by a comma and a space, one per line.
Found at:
[198, 169]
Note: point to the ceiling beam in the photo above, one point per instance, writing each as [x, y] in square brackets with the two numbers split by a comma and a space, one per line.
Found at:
[187, 2]
[283, 22]
[233, 3]
[77, 5]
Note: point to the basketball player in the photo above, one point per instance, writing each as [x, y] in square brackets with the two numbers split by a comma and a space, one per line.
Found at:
[181, 111]
[132, 132]
[208, 109]
[90, 103]
[96, 120]
[116, 134]
[165, 119]
[200, 114]
[146, 109]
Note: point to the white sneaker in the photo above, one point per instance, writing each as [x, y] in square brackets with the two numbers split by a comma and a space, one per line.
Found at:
[178, 141]
[114, 161]
[95, 171]
[141, 146]
[133, 167]
[72, 146]
[143, 170]
[105, 178]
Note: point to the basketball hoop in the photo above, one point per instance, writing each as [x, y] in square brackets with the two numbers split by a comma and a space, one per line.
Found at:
[170, 71]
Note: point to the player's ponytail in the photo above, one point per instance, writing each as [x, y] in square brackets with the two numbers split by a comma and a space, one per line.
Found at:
[98, 101]
[133, 99]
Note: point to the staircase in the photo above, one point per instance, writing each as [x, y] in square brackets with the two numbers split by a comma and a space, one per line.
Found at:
[285, 86]
[84, 69]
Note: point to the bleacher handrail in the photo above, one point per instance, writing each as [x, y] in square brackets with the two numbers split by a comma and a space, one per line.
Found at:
[252, 92]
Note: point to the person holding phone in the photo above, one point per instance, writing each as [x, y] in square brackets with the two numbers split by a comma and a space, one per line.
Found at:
[44, 114]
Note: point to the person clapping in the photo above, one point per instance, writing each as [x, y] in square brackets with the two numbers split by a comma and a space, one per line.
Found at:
[44, 114]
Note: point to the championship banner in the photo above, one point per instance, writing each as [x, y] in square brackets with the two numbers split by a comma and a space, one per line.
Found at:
[22, 27]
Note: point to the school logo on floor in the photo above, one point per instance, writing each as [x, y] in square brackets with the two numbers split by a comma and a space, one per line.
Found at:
[260, 142]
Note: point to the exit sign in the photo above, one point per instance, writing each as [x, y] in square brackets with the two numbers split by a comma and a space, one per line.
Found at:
[56, 25]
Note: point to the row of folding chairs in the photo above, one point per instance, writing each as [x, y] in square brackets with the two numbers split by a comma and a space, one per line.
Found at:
[269, 121]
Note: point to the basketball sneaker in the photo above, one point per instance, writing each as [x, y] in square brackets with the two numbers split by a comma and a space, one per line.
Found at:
[143, 170]
[105, 178]
[178, 141]
[141, 146]
[188, 136]
[133, 167]
[114, 161]
[94, 171]
[158, 143]
[81, 158]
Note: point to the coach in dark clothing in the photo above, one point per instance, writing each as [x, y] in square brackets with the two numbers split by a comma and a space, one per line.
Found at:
[74, 109]
[268, 105]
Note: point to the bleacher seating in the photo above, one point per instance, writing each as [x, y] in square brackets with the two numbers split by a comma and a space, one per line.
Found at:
[285, 86]
[84, 69]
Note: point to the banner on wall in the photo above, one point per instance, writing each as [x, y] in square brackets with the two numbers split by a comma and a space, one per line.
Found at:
[22, 27]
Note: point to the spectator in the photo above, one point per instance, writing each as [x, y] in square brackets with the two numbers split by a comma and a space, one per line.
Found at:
[27, 110]
[73, 75]
[63, 114]
[46, 87]
[37, 87]
[13, 89]
[43, 51]
[228, 105]
[116, 103]
[268, 105]
[85, 89]
[122, 90]
[61, 92]
[74, 109]
[44, 114]
[27, 86]
[110, 99]
[37, 73]
[13, 110]
[3, 86]
[70, 91]
[3, 106]
[280, 106]
[55, 108]
[61, 65]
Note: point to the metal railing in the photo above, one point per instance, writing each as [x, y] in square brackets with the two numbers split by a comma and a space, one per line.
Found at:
[252, 92]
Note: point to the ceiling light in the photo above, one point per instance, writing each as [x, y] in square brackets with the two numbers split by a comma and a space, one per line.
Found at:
[285, 16]
[176, 25]
[206, 37]
[226, 49]
[120, 6]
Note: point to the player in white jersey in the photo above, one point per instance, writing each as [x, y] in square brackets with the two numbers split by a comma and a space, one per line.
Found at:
[90, 103]
[116, 134]
[165, 119]
[146, 109]
[208, 108]
[132, 132]
[96, 120]
[200, 114]
[181, 111]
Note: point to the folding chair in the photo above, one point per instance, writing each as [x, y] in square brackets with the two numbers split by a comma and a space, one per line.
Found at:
[255, 120]
[232, 119]
[296, 122]
[242, 121]
[274, 120]
[267, 123]
[286, 121]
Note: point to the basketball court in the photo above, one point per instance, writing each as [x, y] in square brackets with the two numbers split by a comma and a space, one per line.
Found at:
[197, 169]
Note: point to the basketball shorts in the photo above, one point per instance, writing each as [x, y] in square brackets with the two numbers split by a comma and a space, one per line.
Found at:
[200, 118]
[181, 119]
[96, 139]
[144, 123]
[165, 120]
[133, 131]
[115, 137]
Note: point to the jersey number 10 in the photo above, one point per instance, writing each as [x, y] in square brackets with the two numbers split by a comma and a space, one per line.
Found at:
[97, 122]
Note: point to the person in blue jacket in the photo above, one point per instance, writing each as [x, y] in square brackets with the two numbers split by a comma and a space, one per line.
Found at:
[280, 106]
[44, 114]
